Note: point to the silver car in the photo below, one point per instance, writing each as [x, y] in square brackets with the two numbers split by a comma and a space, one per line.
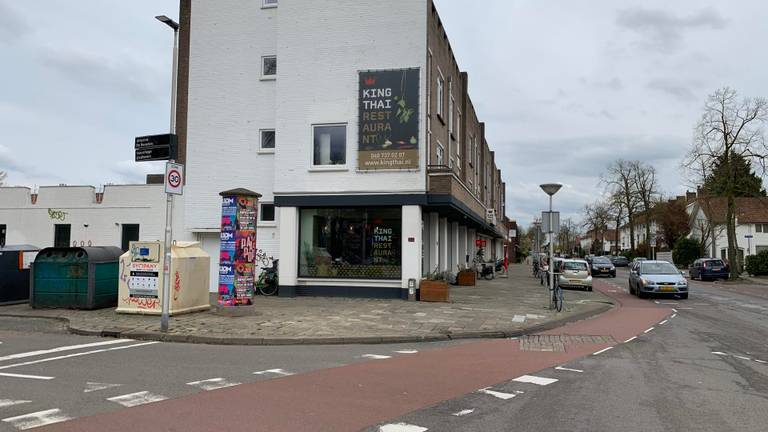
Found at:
[656, 277]
[574, 273]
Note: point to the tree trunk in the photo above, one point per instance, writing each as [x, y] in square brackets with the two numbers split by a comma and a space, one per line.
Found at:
[631, 218]
[648, 233]
[733, 247]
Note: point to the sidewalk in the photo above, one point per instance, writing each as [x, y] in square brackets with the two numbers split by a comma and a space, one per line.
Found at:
[503, 307]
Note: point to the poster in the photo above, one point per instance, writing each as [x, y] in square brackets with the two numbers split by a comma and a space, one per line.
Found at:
[388, 118]
[237, 254]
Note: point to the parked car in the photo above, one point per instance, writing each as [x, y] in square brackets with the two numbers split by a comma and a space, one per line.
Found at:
[574, 273]
[656, 277]
[602, 266]
[620, 261]
[709, 269]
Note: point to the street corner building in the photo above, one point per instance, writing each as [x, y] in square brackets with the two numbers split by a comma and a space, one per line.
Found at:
[352, 120]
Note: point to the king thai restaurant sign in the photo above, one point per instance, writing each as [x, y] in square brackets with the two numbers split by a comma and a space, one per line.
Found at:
[389, 119]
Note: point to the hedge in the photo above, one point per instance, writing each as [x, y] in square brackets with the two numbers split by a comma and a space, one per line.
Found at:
[757, 265]
[686, 251]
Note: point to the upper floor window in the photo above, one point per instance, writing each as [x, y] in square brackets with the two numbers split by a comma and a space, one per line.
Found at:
[440, 93]
[329, 145]
[269, 3]
[269, 66]
[440, 158]
[267, 213]
[267, 140]
[450, 107]
[761, 228]
[458, 140]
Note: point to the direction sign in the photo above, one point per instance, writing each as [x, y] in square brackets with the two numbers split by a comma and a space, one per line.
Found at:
[174, 178]
[156, 147]
[749, 236]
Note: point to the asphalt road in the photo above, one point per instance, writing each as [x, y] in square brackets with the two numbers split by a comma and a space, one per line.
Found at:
[704, 370]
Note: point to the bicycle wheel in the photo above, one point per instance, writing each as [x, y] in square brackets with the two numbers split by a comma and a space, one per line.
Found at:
[558, 299]
[268, 289]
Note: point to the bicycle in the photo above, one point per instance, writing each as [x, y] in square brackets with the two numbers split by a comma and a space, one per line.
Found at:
[556, 299]
[262, 258]
[267, 284]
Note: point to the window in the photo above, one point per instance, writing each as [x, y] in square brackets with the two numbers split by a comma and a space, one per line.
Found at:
[267, 140]
[269, 66]
[2, 235]
[61, 235]
[130, 233]
[458, 141]
[267, 213]
[440, 159]
[761, 228]
[350, 242]
[330, 145]
[450, 106]
[440, 93]
[269, 3]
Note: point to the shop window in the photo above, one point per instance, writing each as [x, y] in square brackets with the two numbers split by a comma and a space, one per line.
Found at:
[330, 145]
[353, 243]
[269, 67]
[267, 140]
[267, 213]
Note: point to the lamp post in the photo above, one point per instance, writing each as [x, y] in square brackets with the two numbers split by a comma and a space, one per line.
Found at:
[169, 197]
[551, 189]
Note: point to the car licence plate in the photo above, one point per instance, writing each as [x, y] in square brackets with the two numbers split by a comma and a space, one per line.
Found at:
[667, 289]
[604, 270]
[716, 268]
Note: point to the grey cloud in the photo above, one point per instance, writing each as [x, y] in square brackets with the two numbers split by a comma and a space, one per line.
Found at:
[90, 70]
[664, 30]
[12, 26]
[672, 88]
[132, 172]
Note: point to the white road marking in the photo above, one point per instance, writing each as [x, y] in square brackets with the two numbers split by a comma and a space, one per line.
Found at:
[463, 412]
[761, 361]
[630, 339]
[742, 357]
[5, 403]
[670, 303]
[656, 301]
[673, 315]
[94, 386]
[719, 353]
[535, 380]
[401, 427]
[406, 352]
[674, 310]
[136, 399]
[213, 384]
[602, 351]
[650, 329]
[497, 394]
[35, 377]
[568, 369]
[663, 322]
[518, 318]
[37, 419]
[375, 356]
[273, 371]
[77, 355]
[534, 316]
[63, 348]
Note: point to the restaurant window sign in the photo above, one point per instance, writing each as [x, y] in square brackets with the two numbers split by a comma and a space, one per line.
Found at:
[388, 119]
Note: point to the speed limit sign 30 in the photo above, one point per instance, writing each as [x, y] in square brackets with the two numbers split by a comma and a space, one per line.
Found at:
[174, 178]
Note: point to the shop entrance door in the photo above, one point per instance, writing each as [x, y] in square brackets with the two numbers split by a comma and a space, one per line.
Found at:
[61, 235]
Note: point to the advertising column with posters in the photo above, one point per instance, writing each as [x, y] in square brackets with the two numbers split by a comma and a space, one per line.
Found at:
[237, 257]
[388, 119]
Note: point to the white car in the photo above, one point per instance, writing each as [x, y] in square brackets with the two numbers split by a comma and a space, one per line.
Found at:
[574, 273]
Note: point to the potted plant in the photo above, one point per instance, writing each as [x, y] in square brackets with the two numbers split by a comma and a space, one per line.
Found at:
[466, 276]
[434, 287]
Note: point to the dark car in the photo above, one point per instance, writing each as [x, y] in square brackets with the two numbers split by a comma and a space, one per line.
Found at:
[709, 269]
[620, 261]
[602, 266]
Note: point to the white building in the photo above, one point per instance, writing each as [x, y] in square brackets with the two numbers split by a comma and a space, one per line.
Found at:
[708, 225]
[296, 101]
[81, 215]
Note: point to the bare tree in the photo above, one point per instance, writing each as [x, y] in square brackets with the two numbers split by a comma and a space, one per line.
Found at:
[729, 127]
[567, 235]
[616, 208]
[646, 190]
[619, 181]
[596, 219]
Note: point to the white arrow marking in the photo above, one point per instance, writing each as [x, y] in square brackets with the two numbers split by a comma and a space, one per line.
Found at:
[63, 348]
[463, 412]
[136, 399]
[497, 394]
[94, 386]
[212, 384]
[273, 371]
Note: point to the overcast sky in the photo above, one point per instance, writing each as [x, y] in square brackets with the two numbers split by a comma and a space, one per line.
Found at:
[564, 87]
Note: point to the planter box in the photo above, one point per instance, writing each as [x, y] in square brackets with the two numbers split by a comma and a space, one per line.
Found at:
[433, 291]
[466, 278]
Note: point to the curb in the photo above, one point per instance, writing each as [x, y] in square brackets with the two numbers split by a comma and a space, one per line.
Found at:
[147, 335]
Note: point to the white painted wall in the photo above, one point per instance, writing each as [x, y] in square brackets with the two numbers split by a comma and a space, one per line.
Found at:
[29, 223]
[411, 251]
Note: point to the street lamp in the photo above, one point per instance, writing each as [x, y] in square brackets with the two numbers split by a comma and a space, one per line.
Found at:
[169, 197]
[551, 189]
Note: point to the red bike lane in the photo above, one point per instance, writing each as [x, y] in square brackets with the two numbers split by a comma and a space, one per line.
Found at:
[350, 398]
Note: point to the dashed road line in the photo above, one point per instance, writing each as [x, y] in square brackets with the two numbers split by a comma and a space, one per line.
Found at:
[401, 427]
[462, 413]
[518, 318]
[63, 348]
[25, 376]
[742, 357]
[5, 403]
[375, 356]
[274, 371]
[649, 330]
[532, 379]
[37, 419]
[761, 361]
[406, 351]
[673, 315]
[213, 384]
[719, 353]
[497, 394]
[602, 351]
[91, 387]
[568, 369]
[630, 339]
[136, 399]
[663, 322]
